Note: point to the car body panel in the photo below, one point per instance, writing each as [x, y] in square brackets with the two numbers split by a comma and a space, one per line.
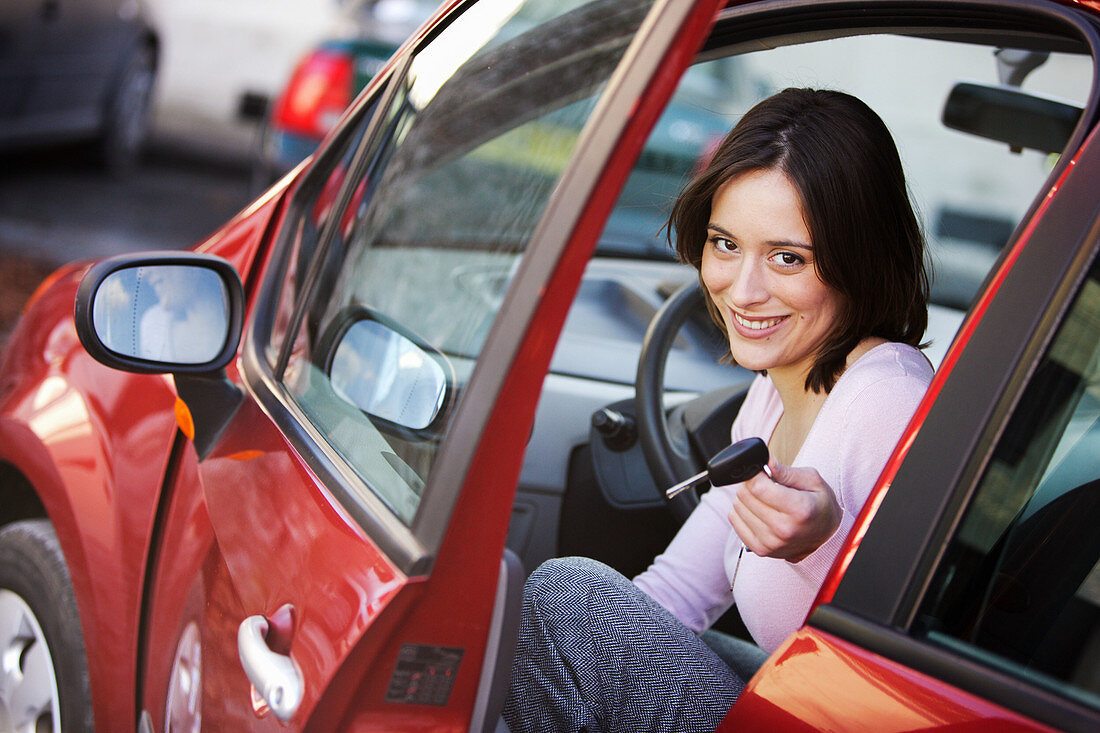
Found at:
[79, 430]
[70, 425]
[251, 485]
[816, 681]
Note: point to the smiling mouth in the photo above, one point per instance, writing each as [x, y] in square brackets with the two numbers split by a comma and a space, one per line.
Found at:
[757, 324]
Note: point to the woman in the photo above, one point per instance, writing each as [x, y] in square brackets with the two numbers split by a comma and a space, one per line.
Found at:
[813, 261]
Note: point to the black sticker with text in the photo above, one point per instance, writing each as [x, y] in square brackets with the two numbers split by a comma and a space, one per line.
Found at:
[424, 675]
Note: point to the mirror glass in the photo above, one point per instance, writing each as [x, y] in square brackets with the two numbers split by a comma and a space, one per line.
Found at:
[388, 376]
[174, 314]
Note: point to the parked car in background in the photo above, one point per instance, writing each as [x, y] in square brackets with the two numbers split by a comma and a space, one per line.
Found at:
[293, 479]
[364, 34]
[222, 64]
[77, 70]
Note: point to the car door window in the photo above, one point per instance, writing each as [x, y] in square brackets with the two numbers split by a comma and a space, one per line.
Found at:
[470, 143]
[1019, 586]
[970, 192]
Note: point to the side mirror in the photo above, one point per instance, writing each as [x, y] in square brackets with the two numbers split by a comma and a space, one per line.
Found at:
[178, 313]
[385, 371]
[155, 313]
[1012, 116]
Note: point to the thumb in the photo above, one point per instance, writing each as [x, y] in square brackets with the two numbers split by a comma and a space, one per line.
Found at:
[804, 479]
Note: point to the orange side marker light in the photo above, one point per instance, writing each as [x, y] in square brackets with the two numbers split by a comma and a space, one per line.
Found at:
[184, 419]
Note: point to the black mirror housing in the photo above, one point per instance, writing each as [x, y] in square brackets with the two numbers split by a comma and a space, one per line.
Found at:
[1010, 115]
[161, 312]
[403, 384]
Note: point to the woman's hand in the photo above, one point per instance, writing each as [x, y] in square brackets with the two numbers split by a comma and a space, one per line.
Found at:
[787, 516]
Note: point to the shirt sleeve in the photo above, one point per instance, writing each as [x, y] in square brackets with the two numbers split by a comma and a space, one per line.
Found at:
[689, 577]
[870, 429]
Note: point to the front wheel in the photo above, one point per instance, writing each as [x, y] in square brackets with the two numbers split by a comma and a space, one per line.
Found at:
[43, 666]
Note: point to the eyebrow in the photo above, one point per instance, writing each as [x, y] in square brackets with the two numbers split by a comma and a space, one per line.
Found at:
[770, 243]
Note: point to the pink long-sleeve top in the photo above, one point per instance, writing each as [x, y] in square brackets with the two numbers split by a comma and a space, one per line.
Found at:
[855, 432]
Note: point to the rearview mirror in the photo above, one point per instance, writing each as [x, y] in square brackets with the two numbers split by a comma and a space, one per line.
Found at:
[1012, 116]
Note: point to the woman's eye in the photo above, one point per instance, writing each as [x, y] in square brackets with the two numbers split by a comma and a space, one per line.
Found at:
[789, 259]
[722, 244]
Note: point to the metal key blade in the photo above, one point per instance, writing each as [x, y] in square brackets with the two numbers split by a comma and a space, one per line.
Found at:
[733, 464]
[686, 484]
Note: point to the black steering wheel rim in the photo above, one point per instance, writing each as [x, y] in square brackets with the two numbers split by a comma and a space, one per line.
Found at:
[668, 461]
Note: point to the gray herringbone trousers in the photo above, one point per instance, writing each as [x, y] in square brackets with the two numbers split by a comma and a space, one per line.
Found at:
[597, 654]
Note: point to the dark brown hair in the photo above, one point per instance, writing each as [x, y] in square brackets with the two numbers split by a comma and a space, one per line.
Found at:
[868, 245]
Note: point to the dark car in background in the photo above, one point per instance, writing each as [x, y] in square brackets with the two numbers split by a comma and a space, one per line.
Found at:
[77, 70]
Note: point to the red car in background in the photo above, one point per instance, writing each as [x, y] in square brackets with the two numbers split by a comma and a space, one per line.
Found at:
[293, 479]
[329, 76]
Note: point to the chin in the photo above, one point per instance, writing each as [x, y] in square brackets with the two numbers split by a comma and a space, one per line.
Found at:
[752, 363]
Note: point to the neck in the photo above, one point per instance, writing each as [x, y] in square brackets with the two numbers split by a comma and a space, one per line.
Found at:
[798, 402]
[790, 381]
[800, 405]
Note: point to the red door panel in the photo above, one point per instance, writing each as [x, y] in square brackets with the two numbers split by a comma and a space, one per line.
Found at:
[250, 532]
[286, 542]
[191, 672]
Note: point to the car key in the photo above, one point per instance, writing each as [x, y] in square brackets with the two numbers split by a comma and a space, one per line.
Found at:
[733, 464]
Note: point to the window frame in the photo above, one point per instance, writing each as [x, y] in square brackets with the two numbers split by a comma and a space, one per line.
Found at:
[264, 380]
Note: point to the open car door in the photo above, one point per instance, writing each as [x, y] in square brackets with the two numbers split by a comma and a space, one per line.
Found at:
[360, 495]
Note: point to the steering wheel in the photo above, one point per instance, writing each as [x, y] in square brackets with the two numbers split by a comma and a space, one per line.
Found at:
[666, 443]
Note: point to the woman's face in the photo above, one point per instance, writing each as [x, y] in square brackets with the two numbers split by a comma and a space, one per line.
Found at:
[758, 267]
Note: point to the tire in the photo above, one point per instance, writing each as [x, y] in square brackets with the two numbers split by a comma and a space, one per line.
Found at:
[126, 119]
[40, 629]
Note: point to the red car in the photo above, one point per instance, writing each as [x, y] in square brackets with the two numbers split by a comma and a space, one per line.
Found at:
[293, 479]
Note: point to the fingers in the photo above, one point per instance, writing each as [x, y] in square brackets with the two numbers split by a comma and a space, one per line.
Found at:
[787, 516]
[764, 528]
[790, 493]
[756, 536]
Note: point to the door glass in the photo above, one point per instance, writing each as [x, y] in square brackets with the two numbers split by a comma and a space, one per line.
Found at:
[318, 198]
[1020, 583]
[969, 191]
[479, 131]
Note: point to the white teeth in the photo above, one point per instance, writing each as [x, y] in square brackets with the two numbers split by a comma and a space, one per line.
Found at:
[757, 325]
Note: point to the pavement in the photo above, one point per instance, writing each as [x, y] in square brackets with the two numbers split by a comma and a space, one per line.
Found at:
[54, 209]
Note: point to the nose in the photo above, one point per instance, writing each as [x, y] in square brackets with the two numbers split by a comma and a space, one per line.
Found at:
[747, 285]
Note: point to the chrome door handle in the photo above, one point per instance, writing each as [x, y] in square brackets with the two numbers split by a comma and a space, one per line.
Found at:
[275, 676]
